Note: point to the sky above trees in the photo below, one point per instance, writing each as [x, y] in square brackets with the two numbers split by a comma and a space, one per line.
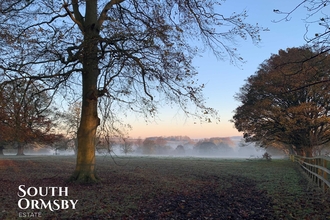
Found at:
[223, 79]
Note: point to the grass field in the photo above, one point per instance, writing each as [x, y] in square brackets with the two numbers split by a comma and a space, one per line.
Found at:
[167, 188]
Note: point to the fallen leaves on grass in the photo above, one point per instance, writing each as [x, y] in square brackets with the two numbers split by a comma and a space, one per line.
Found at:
[240, 201]
[168, 189]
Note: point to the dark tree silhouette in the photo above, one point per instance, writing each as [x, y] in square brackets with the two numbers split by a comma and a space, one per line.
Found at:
[206, 147]
[179, 150]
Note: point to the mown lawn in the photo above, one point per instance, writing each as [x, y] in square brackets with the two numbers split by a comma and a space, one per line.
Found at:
[167, 188]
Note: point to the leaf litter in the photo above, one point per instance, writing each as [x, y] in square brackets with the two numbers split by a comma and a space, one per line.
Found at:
[170, 188]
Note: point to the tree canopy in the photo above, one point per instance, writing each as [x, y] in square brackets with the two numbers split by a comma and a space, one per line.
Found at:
[284, 103]
[137, 53]
[25, 115]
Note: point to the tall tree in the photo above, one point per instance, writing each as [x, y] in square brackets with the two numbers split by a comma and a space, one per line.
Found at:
[24, 114]
[135, 52]
[281, 103]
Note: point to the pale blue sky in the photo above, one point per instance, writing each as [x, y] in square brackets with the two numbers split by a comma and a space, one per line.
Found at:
[223, 79]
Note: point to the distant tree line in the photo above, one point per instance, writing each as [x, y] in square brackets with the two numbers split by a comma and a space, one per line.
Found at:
[178, 145]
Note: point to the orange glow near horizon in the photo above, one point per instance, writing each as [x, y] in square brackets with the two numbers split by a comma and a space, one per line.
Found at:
[194, 131]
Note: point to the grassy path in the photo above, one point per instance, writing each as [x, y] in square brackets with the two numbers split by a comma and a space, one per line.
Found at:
[165, 188]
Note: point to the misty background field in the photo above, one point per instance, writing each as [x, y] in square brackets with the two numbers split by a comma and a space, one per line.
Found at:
[174, 146]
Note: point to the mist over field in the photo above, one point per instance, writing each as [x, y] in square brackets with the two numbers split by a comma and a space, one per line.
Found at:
[176, 146]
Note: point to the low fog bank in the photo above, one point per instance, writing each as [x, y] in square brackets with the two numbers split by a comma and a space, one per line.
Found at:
[189, 151]
[218, 147]
[40, 152]
[178, 146]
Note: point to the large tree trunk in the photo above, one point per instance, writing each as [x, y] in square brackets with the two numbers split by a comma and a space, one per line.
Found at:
[306, 152]
[85, 164]
[20, 149]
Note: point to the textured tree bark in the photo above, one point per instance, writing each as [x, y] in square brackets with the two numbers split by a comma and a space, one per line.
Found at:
[85, 164]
